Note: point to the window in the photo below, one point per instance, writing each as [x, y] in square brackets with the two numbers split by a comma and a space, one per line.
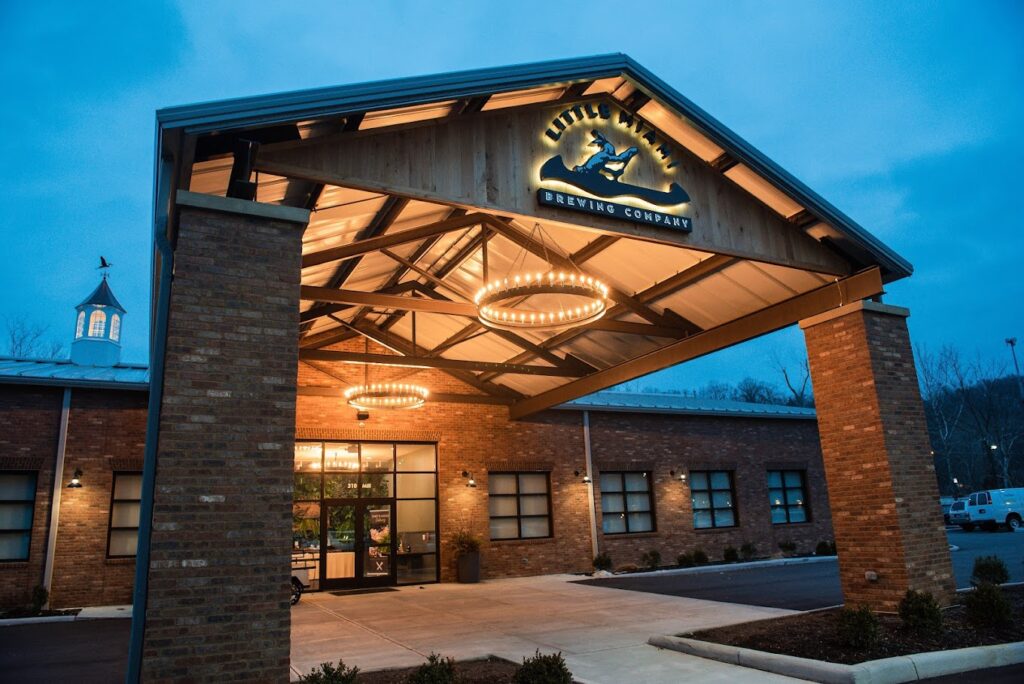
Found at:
[786, 494]
[714, 502]
[17, 505]
[80, 325]
[97, 323]
[626, 503]
[124, 515]
[520, 505]
[115, 327]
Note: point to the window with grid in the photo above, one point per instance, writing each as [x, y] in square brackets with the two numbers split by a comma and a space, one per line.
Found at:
[714, 499]
[520, 505]
[787, 494]
[125, 500]
[626, 505]
[17, 506]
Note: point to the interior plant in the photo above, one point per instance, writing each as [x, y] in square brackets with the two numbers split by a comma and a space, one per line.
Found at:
[543, 669]
[467, 554]
[603, 561]
[328, 673]
[989, 570]
[920, 612]
[651, 559]
[436, 670]
[858, 628]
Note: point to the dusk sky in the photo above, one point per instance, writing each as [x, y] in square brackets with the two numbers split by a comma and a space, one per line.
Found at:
[907, 116]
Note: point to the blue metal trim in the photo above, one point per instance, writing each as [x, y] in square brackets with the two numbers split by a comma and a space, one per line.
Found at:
[85, 384]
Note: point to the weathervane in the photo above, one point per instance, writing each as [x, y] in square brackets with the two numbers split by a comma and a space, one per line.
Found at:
[104, 267]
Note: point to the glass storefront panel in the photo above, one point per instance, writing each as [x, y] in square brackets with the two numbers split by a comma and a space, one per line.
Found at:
[377, 458]
[417, 569]
[341, 486]
[341, 457]
[416, 485]
[420, 458]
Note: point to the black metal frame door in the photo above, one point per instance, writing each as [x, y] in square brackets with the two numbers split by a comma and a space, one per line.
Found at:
[375, 558]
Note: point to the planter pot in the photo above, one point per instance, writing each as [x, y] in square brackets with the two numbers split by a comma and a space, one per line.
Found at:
[469, 567]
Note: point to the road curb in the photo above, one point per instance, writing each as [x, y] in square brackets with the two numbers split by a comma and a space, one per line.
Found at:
[909, 668]
[722, 567]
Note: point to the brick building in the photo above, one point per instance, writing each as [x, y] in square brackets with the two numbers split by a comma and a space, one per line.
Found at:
[484, 248]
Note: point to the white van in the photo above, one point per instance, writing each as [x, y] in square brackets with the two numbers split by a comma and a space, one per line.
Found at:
[994, 507]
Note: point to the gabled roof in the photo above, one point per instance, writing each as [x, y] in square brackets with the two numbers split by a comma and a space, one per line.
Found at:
[102, 296]
[302, 105]
[648, 402]
[64, 373]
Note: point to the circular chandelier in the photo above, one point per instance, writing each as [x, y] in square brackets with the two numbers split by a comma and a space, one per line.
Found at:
[565, 300]
[386, 395]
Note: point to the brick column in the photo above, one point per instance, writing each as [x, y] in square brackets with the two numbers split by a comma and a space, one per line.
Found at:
[881, 479]
[217, 606]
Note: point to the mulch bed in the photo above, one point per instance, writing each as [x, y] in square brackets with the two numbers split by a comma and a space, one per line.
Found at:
[815, 635]
[28, 612]
[472, 671]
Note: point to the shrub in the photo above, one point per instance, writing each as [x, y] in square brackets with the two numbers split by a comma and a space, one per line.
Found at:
[651, 559]
[787, 547]
[329, 674]
[699, 557]
[602, 561]
[989, 570]
[436, 670]
[748, 551]
[920, 613]
[986, 606]
[39, 598]
[825, 548]
[543, 669]
[465, 542]
[858, 628]
[685, 560]
[730, 555]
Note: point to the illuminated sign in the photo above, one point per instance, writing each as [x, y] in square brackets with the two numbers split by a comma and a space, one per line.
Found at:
[599, 174]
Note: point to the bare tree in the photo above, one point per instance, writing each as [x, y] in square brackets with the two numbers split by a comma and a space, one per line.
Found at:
[756, 391]
[944, 409]
[715, 390]
[796, 374]
[29, 340]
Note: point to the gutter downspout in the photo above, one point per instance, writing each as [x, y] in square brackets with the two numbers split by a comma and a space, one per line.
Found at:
[140, 592]
[58, 482]
[590, 486]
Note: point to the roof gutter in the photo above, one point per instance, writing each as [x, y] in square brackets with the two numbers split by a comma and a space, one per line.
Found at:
[140, 592]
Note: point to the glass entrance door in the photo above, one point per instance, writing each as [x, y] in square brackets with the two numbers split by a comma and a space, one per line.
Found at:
[357, 543]
[376, 543]
[339, 557]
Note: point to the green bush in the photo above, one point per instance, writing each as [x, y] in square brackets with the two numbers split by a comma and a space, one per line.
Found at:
[730, 555]
[329, 674]
[685, 560]
[699, 557]
[825, 548]
[858, 628]
[651, 559]
[602, 561]
[787, 547]
[543, 669]
[436, 670]
[986, 606]
[920, 613]
[748, 551]
[39, 598]
[465, 542]
[989, 570]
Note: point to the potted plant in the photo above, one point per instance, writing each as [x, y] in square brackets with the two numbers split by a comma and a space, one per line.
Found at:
[467, 554]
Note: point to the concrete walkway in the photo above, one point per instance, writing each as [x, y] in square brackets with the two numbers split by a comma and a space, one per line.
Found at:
[601, 633]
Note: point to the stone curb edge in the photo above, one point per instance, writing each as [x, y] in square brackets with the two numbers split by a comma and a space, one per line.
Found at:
[12, 622]
[722, 567]
[908, 668]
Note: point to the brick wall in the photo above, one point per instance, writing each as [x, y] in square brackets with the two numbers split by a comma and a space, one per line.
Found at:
[480, 438]
[218, 594]
[29, 427]
[106, 433]
[748, 446]
[874, 439]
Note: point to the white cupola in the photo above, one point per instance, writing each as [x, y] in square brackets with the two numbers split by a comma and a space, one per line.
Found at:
[98, 324]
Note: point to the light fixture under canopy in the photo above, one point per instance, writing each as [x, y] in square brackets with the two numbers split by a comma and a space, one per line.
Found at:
[386, 395]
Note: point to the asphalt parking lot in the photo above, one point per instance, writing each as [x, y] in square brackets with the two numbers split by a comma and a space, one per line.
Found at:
[812, 585]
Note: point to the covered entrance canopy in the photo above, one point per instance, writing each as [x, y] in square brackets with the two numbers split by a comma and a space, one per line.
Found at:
[406, 180]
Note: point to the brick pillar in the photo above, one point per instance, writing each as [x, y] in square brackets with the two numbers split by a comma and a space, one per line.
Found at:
[217, 606]
[881, 479]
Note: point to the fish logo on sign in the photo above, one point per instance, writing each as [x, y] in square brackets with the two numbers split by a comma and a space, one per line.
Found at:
[604, 174]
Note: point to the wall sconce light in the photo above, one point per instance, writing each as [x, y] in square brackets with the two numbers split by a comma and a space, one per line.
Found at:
[471, 482]
[76, 479]
[681, 476]
[586, 478]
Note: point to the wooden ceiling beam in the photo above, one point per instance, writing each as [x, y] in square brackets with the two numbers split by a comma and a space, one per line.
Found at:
[435, 397]
[391, 239]
[379, 300]
[854, 288]
[435, 362]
